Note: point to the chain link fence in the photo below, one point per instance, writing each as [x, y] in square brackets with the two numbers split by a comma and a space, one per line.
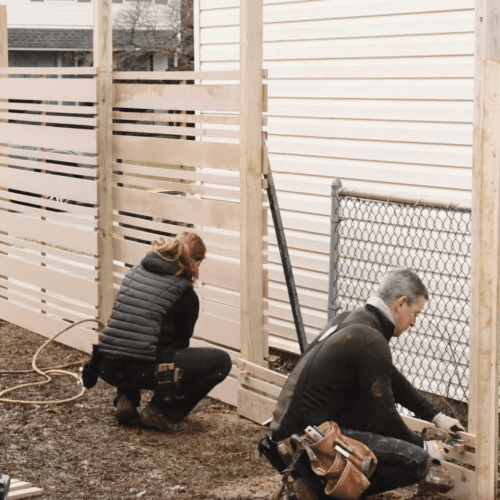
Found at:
[370, 236]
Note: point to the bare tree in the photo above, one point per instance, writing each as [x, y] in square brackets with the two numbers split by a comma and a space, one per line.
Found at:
[147, 31]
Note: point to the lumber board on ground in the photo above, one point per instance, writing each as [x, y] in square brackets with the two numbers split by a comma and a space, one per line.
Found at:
[22, 489]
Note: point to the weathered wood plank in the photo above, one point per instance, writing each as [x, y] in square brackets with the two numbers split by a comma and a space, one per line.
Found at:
[182, 97]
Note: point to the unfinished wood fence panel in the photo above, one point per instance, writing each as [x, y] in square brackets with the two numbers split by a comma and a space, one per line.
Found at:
[49, 271]
[166, 180]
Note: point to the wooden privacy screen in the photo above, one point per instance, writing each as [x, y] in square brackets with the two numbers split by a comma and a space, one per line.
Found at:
[48, 200]
[176, 168]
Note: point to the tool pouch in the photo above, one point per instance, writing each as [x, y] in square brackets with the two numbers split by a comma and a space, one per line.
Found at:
[167, 387]
[346, 471]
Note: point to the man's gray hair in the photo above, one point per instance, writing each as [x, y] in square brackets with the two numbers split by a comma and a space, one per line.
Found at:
[401, 282]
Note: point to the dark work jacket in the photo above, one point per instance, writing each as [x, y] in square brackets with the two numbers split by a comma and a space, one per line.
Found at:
[349, 377]
[154, 312]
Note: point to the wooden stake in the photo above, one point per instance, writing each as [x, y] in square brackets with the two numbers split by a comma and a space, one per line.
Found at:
[103, 61]
[253, 344]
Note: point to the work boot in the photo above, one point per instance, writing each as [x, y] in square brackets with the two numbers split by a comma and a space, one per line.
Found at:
[436, 479]
[152, 417]
[126, 413]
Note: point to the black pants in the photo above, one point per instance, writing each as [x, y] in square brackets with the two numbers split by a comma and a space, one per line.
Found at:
[399, 463]
[204, 368]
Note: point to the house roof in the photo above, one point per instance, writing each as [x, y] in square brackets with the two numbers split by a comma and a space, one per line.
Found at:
[73, 39]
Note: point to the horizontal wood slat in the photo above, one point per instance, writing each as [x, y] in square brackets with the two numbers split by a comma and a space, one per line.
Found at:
[69, 188]
[51, 108]
[90, 70]
[85, 311]
[176, 75]
[220, 331]
[216, 119]
[68, 120]
[83, 215]
[38, 164]
[174, 130]
[43, 324]
[70, 257]
[217, 214]
[47, 232]
[183, 174]
[49, 137]
[182, 97]
[176, 152]
[156, 185]
[49, 89]
[52, 261]
[56, 154]
[44, 277]
[33, 302]
[213, 271]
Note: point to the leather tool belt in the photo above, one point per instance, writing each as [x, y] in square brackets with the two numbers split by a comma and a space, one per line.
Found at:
[345, 463]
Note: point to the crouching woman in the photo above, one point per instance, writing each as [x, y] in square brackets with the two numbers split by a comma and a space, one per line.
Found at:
[146, 342]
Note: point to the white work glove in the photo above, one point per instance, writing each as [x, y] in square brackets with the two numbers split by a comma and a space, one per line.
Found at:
[441, 421]
[436, 449]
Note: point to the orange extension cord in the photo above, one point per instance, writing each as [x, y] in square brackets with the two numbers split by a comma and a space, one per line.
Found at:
[47, 373]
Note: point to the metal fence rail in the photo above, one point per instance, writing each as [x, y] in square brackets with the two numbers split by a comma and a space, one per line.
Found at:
[370, 235]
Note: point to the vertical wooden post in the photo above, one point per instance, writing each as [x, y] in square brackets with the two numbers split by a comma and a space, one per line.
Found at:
[103, 61]
[485, 291]
[485, 321]
[4, 43]
[253, 344]
[4, 63]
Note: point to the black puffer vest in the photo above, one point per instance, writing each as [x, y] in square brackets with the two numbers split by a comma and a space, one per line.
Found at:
[146, 294]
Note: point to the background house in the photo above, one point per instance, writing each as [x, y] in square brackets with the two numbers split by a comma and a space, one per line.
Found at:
[377, 93]
[150, 35]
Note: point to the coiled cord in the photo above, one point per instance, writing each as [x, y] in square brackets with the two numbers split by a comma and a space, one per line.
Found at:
[48, 373]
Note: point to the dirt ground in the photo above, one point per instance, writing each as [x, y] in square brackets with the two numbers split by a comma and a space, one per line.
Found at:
[76, 450]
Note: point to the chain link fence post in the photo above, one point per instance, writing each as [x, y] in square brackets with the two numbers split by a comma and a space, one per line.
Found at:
[333, 306]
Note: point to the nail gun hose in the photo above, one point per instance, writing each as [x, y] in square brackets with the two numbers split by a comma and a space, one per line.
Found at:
[48, 373]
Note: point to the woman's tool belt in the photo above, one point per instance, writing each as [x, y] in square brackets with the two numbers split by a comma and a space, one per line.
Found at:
[345, 463]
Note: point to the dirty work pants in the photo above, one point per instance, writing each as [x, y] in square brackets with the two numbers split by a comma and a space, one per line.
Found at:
[204, 368]
[399, 464]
